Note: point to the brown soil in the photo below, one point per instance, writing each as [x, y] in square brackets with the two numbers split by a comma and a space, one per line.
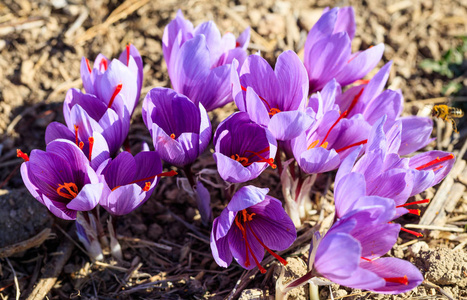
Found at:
[166, 249]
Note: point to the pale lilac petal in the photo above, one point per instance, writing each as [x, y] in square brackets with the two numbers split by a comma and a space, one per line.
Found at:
[114, 129]
[239, 250]
[362, 279]
[378, 241]
[120, 171]
[377, 138]
[347, 164]
[416, 133]
[360, 65]
[376, 84]
[87, 198]
[322, 29]
[292, 76]
[390, 267]
[87, 77]
[287, 125]
[334, 51]
[27, 182]
[124, 199]
[256, 109]
[167, 148]
[215, 90]
[244, 39]
[392, 184]
[59, 209]
[237, 92]
[220, 247]
[393, 137]
[135, 63]
[231, 170]
[190, 145]
[344, 263]
[350, 189]
[100, 151]
[178, 26]
[345, 21]
[387, 103]
[245, 197]
[318, 160]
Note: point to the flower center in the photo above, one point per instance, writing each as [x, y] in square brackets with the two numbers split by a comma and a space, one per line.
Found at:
[242, 220]
[434, 162]
[245, 161]
[272, 110]
[147, 184]
[68, 190]
[117, 90]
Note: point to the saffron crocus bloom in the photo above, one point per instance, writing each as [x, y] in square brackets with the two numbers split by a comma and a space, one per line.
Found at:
[382, 172]
[129, 181]
[366, 235]
[251, 223]
[107, 78]
[373, 103]
[277, 98]
[180, 129]
[199, 60]
[61, 179]
[328, 50]
[244, 149]
[85, 114]
[333, 136]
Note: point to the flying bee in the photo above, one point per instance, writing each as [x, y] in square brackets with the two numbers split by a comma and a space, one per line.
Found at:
[447, 113]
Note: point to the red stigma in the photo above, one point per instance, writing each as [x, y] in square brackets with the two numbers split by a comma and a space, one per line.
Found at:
[415, 202]
[116, 91]
[401, 280]
[172, 136]
[414, 211]
[128, 54]
[332, 127]
[245, 161]
[91, 144]
[354, 101]
[81, 145]
[87, 64]
[103, 64]
[21, 154]
[417, 234]
[69, 187]
[435, 161]
[364, 258]
[237, 44]
[76, 134]
[352, 145]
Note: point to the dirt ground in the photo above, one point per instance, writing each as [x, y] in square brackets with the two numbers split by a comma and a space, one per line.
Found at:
[166, 248]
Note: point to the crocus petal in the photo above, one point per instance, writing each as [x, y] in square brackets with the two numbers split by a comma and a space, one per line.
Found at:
[322, 29]
[376, 84]
[245, 197]
[93, 106]
[360, 65]
[220, 247]
[100, 150]
[344, 263]
[87, 198]
[256, 109]
[213, 39]
[244, 38]
[318, 160]
[215, 90]
[377, 138]
[390, 267]
[287, 125]
[392, 184]
[167, 148]
[239, 249]
[190, 145]
[120, 171]
[387, 103]
[27, 182]
[136, 67]
[277, 233]
[178, 26]
[231, 170]
[59, 209]
[350, 189]
[334, 51]
[345, 21]
[192, 67]
[57, 130]
[362, 279]
[378, 241]
[114, 129]
[124, 199]
[416, 133]
[292, 75]
[87, 77]
[347, 164]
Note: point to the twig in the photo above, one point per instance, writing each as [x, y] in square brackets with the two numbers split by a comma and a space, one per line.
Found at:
[144, 242]
[51, 271]
[15, 278]
[434, 227]
[432, 285]
[27, 244]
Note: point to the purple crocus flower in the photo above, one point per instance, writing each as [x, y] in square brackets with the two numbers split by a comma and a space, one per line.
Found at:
[332, 137]
[277, 98]
[251, 223]
[129, 180]
[199, 60]
[180, 129]
[382, 172]
[244, 149]
[328, 50]
[373, 103]
[366, 235]
[86, 114]
[62, 179]
[108, 78]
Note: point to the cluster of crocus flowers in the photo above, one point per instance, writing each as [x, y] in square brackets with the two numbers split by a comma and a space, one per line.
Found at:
[356, 130]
